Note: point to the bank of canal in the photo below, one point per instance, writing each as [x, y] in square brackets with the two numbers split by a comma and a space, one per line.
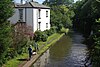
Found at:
[67, 52]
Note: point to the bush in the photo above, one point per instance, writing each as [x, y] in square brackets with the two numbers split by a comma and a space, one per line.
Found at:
[40, 36]
[51, 31]
[63, 30]
[44, 37]
[21, 45]
[11, 53]
[37, 36]
[47, 32]
[59, 27]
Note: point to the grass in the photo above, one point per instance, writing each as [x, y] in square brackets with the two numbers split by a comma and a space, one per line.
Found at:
[15, 62]
[55, 37]
[49, 38]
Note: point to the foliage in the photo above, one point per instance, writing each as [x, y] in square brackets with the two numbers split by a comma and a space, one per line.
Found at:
[86, 12]
[21, 36]
[11, 53]
[61, 16]
[61, 13]
[95, 51]
[40, 36]
[63, 30]
[6, 10]
[5, 40]
[43, 35]
[50, 32]
[5, 28]
[86, 20]
[59, 2]
[15, 61]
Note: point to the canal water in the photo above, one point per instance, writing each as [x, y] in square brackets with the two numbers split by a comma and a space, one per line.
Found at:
[67, 52]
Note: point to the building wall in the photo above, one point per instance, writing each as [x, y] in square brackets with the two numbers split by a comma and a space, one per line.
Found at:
[35, 18]
[43, 19]
[31, 17]
[15, 17]
[27, 16]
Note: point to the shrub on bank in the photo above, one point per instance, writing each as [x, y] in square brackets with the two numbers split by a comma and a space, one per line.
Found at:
[63, 30]
[43, 35]
[51, 31]
[40, 36]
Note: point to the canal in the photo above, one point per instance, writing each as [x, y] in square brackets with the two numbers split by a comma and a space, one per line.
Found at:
[67, 52]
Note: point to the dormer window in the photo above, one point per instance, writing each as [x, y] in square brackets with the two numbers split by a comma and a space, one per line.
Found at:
[21, 15]
[39, 10]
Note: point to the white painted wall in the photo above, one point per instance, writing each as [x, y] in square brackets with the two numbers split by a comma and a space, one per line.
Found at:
[35, 18]
[44, 19]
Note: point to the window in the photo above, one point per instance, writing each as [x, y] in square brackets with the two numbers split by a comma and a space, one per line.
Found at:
[39, 13]
[39, 24]
[46, 25]
[46, 13]
[21, 15]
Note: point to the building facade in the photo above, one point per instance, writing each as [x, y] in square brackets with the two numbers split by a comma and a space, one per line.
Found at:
[35, 15]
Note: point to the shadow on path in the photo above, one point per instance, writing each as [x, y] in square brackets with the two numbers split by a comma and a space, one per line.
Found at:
[23, 59]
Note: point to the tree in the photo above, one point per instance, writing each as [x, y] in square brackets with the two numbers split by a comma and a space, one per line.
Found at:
[87, 19]
[6, 11]
[61, 16]
[60, 2]
[21, 34]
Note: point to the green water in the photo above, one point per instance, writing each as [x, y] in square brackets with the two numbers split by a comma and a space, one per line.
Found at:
[67, 52]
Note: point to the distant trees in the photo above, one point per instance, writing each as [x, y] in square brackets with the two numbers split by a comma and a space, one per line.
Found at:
[61, 13]
[6, 11]
[61, 16]
[59, 2]
[86, 12]
[87, 21]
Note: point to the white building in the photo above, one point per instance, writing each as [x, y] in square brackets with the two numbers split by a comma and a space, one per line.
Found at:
[33, 14]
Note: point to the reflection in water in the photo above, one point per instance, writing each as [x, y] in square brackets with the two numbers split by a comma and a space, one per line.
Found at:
[67, 52]
[61, 48]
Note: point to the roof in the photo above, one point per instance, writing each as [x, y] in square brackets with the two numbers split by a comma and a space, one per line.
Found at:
[31, 5]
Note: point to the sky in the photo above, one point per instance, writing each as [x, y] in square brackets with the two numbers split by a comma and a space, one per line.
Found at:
[40, 1]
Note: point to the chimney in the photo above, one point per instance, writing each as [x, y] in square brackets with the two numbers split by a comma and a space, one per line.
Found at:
[21, 1]
[32, 0]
